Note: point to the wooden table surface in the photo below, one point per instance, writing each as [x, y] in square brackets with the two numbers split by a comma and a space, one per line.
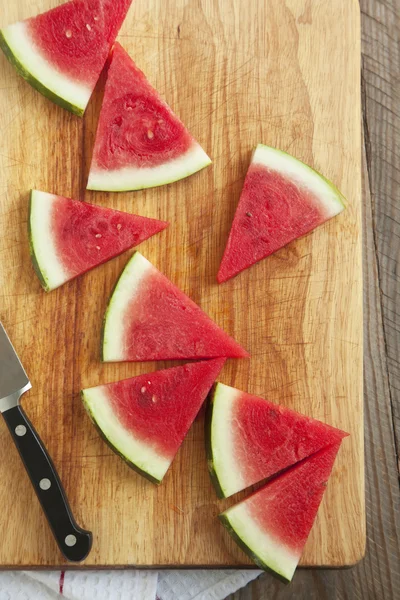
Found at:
[377, 577]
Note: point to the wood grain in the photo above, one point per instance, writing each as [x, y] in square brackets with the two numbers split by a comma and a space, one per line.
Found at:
[382, 76]
[378, 576]
[236, 75]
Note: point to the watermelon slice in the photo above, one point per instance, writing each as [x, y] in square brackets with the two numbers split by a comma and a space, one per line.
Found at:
[273, 524]
[249, 439]
[145, 418]
[62, 52]
[282, 199]
[68, 237]
[140, 143]
[149, 318]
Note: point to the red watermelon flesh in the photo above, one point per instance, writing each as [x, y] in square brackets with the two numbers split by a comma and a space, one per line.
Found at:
[149, 318]
[293, 496]
[130, 111]
[155, 409]
[273, 524]
[167, 401]
[186, 332]
[252, 439]
[69, 237]
[271, 437]
[282, 200]
[76, 37]
[140, 142]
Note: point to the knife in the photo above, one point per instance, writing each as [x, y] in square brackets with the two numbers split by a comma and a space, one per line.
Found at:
[74, 542]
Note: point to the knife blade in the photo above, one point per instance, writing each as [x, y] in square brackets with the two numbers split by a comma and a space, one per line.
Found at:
[74, 542]
[13, 379]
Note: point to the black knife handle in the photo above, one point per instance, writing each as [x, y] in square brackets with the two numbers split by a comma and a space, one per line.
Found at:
[74, 542]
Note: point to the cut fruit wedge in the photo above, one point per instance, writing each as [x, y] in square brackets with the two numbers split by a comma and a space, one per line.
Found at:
[62, 52]
[68, 237]
[149, 318]
[273, 524]
[282, 199]
[140, 142]
[145, 419]
[249, 439]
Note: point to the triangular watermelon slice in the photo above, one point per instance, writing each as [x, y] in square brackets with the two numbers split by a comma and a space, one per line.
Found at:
[273, 524]
[249, 439]
[282, 199]
[62, 52]
[140, 142]
[149, 318]
[145, 419]
[68, 237]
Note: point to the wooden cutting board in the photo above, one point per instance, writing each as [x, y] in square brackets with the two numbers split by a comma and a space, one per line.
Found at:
[282, 72]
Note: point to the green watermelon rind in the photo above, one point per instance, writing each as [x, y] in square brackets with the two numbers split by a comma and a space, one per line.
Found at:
[215, 438]
[103, 330]
[339, 196]
[104, 323]
[35, 83]
[45, 259]
[178, 169]
[129, 462]
[41, 273]
[224, 519]
[208, 442]
[104, 336]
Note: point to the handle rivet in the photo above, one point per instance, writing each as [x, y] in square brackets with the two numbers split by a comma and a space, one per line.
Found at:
[70, 540]
[20, 430]
[45, 484]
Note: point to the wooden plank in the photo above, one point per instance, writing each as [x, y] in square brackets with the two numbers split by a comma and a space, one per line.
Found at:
[303, 317]
[381, 40]
[378, 576]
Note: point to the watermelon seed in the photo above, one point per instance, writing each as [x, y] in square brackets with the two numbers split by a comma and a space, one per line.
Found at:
[68, 33]
[143, 390]
[88, 27]
[249, 214]
[119, 226]
[150, 134]
[98, 247]
[96, 18]
[154, 399]
[98, 235]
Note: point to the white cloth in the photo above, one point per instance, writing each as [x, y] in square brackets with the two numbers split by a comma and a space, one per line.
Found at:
[122, 585]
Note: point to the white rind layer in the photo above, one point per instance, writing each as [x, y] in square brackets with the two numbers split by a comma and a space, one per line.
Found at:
[331, 200]
[43, 248]
[134, 450]
[133, 178]
[222, 443]
[24, 50]
[114, 322]
[266, 548]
